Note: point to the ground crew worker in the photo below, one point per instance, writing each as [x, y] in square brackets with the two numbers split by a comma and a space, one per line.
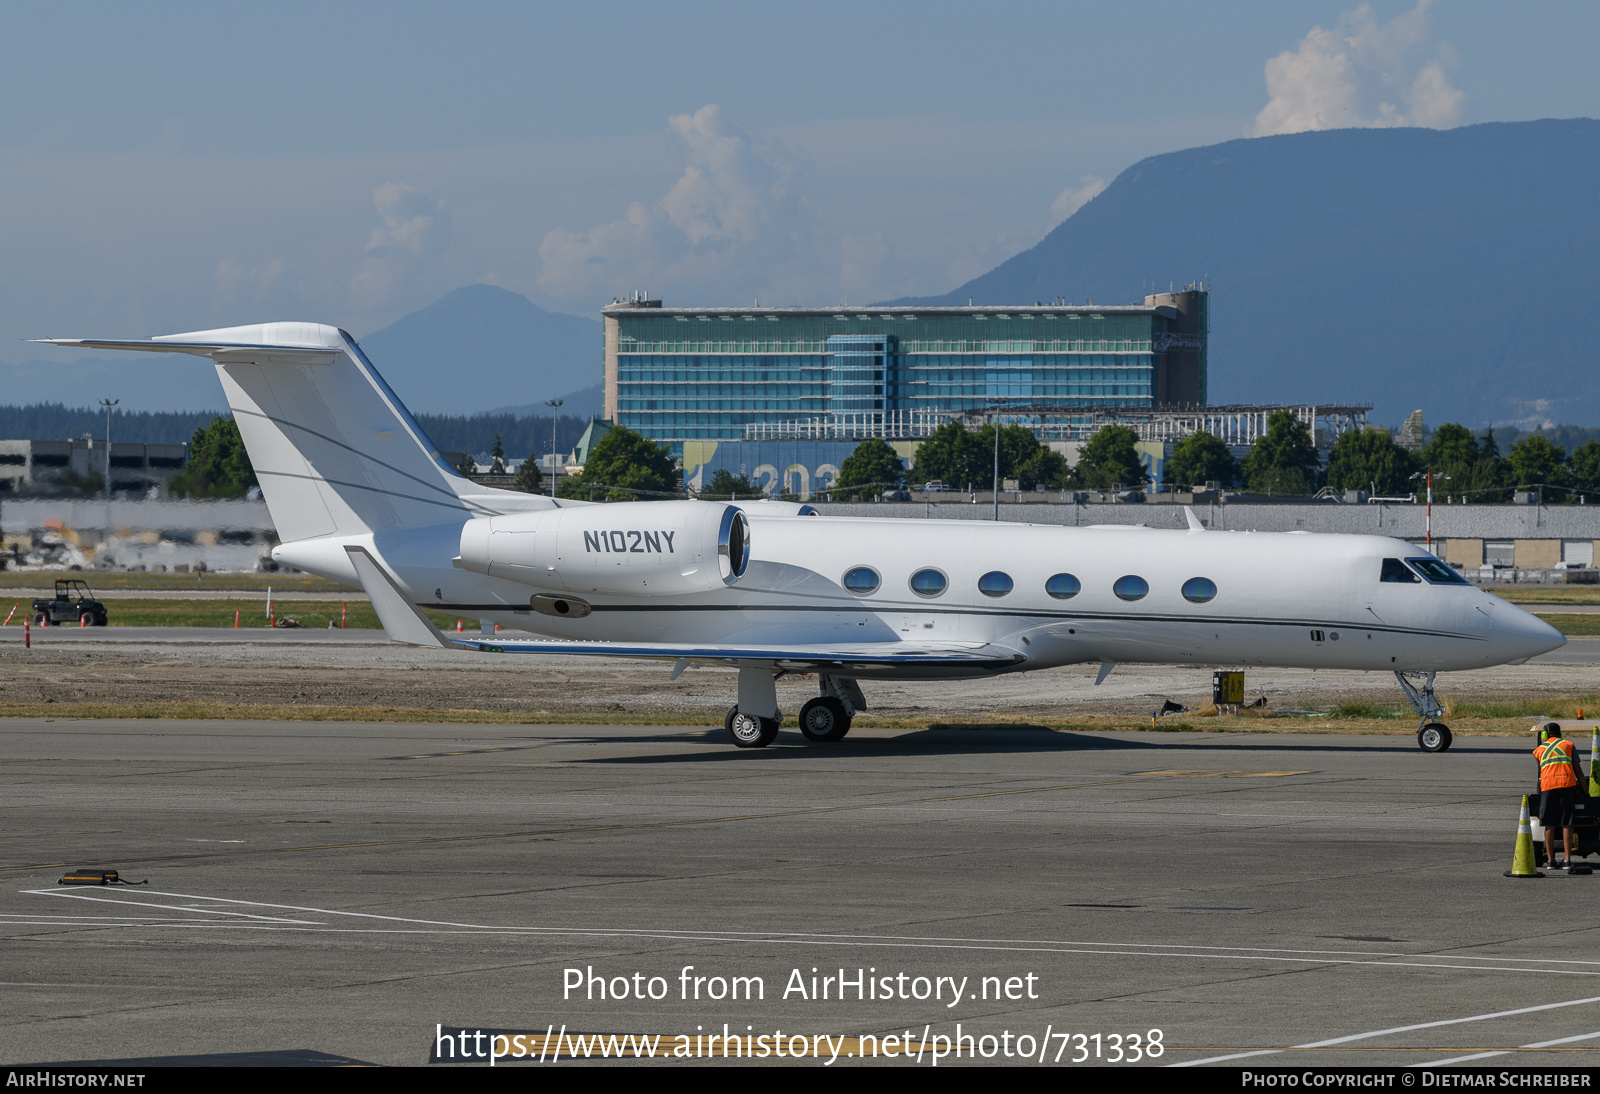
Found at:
[1559, 775]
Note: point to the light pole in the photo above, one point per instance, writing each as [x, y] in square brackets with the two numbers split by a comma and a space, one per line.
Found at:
[995, 419]
[1427, 477]
[108, 404]
[553, 404]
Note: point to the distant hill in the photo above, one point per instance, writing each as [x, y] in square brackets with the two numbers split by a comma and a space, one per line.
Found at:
[483, 347]
[1405, 267]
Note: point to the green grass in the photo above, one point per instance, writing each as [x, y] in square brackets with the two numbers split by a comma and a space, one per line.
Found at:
[1576, 625]
[1552, 706]
[1547, 594]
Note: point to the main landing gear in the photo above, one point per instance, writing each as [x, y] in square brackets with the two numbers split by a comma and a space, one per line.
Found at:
[1432, 735]
[754, 720]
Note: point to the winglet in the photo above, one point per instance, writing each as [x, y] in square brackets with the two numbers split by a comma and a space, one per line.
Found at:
[1195, 524]
[402, 620]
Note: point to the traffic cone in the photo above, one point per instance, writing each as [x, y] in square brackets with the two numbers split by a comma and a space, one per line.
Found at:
[1522, 860]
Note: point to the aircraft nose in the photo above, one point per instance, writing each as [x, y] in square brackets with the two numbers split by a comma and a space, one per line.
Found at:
[1523, 635]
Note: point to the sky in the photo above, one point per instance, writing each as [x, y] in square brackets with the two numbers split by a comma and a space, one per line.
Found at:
[170, 167]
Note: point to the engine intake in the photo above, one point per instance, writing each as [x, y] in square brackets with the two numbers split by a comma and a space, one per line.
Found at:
[630, 547]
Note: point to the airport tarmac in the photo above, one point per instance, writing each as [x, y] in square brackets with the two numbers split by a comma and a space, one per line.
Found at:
[339, 891]
[344, 668]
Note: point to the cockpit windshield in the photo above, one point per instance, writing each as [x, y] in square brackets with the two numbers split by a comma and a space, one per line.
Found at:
[1395, 571]
[1437, 572]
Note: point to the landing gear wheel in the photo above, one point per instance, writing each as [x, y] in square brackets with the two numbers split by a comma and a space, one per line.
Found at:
[1434, 737]
[824, 719]
[748, 731]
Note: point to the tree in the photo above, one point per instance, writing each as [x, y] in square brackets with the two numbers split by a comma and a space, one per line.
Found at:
[1045, 467]
[868, 470]
[1201, 458]
[627, 466]
[953, 455]
[498, 455]
[1369, 459]
[1490, 477]
[1110, 459]
[1451, 455]
[1537, 462]
[530, 480]
[1585, 463]
[218, 465]
[1284, 459]
[726, 486]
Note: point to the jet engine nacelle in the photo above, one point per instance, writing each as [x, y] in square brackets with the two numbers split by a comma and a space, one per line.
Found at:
[629, 547]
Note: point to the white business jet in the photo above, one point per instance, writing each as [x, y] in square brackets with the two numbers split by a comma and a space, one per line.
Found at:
[360, 495]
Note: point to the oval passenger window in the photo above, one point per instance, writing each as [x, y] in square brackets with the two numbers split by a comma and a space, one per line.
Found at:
[861, 580]
[1198, 590]
[928, 583]
[1131, 588]
[1063, 586]
[995, 583]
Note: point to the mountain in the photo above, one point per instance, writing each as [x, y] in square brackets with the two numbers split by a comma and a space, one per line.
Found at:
[585, 403]
[1403, 267]
[483, 346]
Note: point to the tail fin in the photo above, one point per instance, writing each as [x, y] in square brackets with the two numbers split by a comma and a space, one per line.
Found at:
[334, 448]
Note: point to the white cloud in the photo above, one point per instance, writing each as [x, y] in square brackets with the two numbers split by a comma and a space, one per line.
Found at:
[1073, 198]
[1362, 73]
[404, 249]
[731, 226]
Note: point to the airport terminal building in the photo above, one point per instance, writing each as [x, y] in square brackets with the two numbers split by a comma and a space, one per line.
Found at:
[725, 374]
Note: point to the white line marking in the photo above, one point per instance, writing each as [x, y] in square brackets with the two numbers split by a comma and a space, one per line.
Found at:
[1160, 949]
[1563, 1040]
[172, 907]
[1449, 1022]
[1461, 1059]
[1507, 1052]
[1407, 1029]
[1020, 946]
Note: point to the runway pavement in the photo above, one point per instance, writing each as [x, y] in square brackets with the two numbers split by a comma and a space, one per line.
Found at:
[342, 891]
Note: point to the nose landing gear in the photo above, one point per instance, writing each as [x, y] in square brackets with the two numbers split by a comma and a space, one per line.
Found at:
[1432, 735]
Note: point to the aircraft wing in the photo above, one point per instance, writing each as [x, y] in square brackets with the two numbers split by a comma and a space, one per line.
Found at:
[404, 622]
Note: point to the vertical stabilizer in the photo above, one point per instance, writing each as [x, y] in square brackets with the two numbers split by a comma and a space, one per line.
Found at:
[335, 450]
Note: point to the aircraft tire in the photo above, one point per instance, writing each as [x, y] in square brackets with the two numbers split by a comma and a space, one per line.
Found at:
[749, 731]
[824, 719]
[1434, 737]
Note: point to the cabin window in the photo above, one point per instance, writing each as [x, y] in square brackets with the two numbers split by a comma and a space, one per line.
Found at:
[1394, 570]
[929, 583]
[1131, 588]
[1063, 586]
[1436, 572]
[1198, 590]
[862, 580]
[995, 583]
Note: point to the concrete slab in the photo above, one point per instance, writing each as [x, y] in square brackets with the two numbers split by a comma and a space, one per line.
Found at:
[344, 889]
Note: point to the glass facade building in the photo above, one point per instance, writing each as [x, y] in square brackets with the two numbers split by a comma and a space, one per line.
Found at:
[682, 374]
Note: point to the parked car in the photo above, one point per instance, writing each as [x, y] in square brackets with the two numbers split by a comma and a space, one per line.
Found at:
[73, 605]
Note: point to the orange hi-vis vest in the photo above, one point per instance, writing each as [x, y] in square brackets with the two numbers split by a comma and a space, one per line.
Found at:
[1557, 767]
